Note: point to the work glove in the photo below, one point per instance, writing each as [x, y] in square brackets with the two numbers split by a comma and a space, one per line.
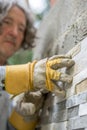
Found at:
[38, 75]
[26, 110]
[20, 123]
[29, 103]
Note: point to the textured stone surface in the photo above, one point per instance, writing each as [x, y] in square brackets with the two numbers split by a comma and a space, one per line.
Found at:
[83, 109]
[73, 111]
[63, 27]
[64, 30]
[82, 86]
[77, 123]
[76, 100]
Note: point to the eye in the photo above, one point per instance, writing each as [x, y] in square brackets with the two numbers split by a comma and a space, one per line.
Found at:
[6, 21]
[21, 29]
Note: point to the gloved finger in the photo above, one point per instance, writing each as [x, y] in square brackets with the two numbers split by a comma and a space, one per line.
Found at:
[63, 63]
[58, 76]
[60, 56]
[36, 94]
[51, 75]
[28, 108]
[59, 92]
[25, 109]
[54, 75]
[66, 78]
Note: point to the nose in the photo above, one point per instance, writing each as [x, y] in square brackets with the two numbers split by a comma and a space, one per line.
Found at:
[14, 31]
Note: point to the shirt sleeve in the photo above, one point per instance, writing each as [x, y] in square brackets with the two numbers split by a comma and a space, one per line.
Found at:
[2, 76]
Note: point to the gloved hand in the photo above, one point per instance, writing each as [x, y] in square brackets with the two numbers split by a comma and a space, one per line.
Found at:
[42, 74]
[29, 103]
[20, 123]
[26, 110]
[47, 73]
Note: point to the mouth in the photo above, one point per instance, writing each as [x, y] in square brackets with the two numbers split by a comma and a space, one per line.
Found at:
[10, 43]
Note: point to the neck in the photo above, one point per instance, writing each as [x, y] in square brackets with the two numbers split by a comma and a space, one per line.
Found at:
[2, 60]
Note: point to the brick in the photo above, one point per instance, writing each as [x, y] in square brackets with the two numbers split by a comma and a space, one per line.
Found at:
[77, 123]
[77, 79]
[72, 112]
[81, 87]
[83, 109]
[76, 100]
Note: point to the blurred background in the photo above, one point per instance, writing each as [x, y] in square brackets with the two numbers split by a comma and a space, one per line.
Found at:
[38, 9]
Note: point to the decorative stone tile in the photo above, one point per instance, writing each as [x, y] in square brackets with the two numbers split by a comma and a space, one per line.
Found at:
[73, 111]
[83, 109]
[76, 100]
[82, 86]
[77, 79]
[77, 123]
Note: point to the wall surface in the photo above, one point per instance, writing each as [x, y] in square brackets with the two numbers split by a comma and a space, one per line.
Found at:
[69, 113]
[64, 30]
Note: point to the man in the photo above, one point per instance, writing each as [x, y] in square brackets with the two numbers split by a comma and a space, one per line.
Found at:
[16, 30]
[15, 27]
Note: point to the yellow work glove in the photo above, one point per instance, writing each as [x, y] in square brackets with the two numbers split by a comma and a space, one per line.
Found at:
[18, 122]
[29, 103]
[42, 74]
[26, 110]
[19, 78]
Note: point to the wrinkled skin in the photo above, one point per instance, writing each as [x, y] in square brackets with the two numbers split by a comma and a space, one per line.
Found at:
[30, 103]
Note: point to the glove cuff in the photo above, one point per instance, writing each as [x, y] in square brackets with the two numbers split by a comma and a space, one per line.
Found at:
[19, 78]
[31, 71]
[19, 123]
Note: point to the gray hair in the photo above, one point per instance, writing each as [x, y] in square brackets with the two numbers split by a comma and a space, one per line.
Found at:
[30, 32]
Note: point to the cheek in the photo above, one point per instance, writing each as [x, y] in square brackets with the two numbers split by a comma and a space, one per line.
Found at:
[20, 40]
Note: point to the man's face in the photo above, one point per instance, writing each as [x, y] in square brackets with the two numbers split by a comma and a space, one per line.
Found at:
[14, 25]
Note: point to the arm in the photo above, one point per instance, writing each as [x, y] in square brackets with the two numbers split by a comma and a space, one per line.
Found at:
[37, 75]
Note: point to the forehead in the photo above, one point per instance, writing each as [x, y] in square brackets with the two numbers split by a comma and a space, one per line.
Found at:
[17, 13]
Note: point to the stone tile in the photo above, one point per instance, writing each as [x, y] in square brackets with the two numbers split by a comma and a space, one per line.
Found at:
[77, 123]
[72, 112]
[83, 109]
[77, 79]
[82, 86]
[76, 100]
